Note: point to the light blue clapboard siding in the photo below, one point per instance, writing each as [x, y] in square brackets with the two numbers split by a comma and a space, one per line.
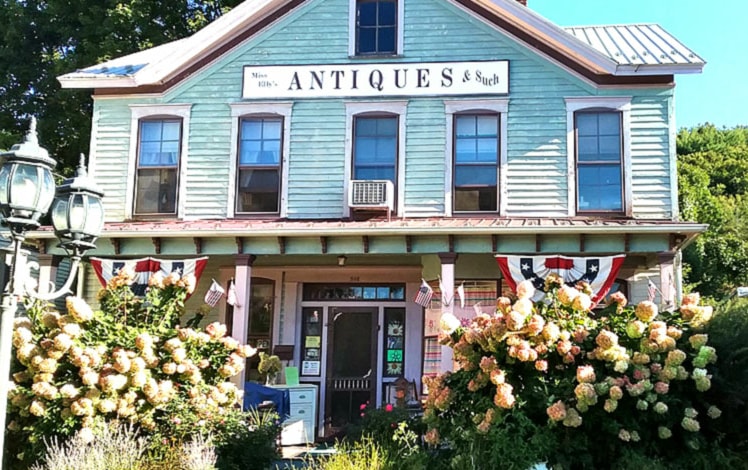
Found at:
[435, 30]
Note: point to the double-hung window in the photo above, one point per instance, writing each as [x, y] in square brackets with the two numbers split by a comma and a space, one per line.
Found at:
[375, 148]
[376, 26]
[157, 169]
[599, 161]
[259, 164]
[598, 130]
[476, 162]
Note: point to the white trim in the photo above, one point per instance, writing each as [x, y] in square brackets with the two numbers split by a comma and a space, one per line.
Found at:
[141, 111]
[673, 162]
[352, 28]
[499, 106]
[613, 103]
[359, 107]
[238, 110]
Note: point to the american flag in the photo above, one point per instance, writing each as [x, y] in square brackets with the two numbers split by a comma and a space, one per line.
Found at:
[214, 294]
[423, 297]
[651, 290]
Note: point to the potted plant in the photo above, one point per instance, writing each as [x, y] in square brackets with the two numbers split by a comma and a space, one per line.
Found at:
[270, 366]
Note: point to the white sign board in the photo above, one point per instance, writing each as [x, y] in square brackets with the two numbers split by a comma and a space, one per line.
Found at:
[375, 80]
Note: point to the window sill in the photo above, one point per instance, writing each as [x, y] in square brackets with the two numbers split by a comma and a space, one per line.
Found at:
[376, 56]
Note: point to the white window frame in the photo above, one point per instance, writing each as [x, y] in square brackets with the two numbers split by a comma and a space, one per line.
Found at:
[139, 112]
[500, 107]
[620, 104]
[240, 110]
[352, 29]
[353, 109]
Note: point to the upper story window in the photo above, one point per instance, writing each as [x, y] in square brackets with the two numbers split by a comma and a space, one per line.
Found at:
[259, 166]
[375, 148]
[599, 161]
[376, 27]
[157, 172]
[599, 155]
[476, 160]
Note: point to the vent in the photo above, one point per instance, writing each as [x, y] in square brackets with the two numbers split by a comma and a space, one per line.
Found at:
[372, 194]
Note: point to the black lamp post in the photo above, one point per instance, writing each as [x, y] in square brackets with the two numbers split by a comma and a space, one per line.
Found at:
[27, 190]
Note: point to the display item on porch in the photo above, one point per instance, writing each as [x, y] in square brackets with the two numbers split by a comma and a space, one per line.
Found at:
[270, 366]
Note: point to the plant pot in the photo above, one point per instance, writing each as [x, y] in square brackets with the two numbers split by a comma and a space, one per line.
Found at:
[271, 378]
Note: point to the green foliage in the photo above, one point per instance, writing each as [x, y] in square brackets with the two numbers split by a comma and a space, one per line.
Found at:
[363, 453]
[548, 382]
[247, 441]
[42, 39]
[713, 189]
[131, 362]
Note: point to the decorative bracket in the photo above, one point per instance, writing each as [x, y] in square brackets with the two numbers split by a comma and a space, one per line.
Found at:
[365, 241]
[239, 245]
[117, 244]
[408, 243]
[323, 244]
[157, 244]
[198, 245]
[282, 245]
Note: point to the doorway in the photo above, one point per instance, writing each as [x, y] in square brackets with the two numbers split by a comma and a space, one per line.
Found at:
[351, 365]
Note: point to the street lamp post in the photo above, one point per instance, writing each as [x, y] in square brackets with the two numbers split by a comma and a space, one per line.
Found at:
[27, 190]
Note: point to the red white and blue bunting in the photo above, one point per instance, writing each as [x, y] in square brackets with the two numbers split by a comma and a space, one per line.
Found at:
[106, 269]
[599, 272]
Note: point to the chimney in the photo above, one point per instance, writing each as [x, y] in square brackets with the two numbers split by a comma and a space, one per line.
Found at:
[523, 2]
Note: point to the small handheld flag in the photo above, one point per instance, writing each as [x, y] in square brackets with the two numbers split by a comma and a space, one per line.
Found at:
[214, 294]
[423, 297]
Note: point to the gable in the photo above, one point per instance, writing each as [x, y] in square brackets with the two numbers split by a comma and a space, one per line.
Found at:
[233, 30]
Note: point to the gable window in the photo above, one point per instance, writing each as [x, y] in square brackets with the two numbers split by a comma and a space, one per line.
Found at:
[259, 165]
[476, 160]
[376, 27]
[157, 169]
[599, 161]
[375, 148]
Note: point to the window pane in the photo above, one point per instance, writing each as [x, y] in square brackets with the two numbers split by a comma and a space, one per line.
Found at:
[587, 150]
[169, 153]
[610, 148]
[487, 126]
[367, 13]
[475, 175]
[386, 40]
[251, 129]
[258, 191]
[367, 40]
[150, 154]
[600, 187]
[610, 123]
[375, 173]
[171, 130]
[249, 153]
[476, 199]
[156, 191]
[587, 124]
[487, 150]
[386, 126]
[465, 150]
[271, 129]
[465, 126]
[387, 13]
[150, 131]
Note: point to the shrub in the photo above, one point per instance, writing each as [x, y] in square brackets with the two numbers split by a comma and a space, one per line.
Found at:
[361, 454]
[128, 362]
[599, 390]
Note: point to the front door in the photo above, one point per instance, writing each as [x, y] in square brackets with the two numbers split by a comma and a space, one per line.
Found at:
[351, 364]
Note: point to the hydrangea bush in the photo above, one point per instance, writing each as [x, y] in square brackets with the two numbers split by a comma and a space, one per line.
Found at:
[130, 362]
[621, 384]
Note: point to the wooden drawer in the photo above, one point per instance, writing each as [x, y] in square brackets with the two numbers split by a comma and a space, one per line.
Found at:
[301, 411]
[304, 395]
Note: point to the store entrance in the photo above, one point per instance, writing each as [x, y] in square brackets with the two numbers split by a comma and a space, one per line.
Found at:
[351, 365]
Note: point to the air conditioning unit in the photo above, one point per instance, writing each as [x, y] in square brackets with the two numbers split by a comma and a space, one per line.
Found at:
[372, 195]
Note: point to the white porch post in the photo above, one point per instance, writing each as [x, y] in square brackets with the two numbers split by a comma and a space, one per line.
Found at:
[667, 278]
[448, 283]
[243, 286]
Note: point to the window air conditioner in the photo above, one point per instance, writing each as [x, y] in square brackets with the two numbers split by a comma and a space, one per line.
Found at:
[372, 194]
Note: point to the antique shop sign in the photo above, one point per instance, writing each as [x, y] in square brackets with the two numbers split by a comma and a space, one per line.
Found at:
[371, 80]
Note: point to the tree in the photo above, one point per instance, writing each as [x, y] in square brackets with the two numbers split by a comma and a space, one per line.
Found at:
[713, 181]
[42, 39]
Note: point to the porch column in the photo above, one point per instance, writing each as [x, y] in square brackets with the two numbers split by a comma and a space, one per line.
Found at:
[667, 278]
[243, 286]
[447, 301]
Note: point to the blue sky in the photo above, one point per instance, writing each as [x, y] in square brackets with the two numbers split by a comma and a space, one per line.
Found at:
[716, 30]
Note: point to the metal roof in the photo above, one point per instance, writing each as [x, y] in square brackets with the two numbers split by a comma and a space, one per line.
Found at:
[637, 45]
[381, 226]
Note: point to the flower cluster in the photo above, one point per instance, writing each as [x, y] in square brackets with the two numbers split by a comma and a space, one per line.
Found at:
[79, 370]
[630, 371]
